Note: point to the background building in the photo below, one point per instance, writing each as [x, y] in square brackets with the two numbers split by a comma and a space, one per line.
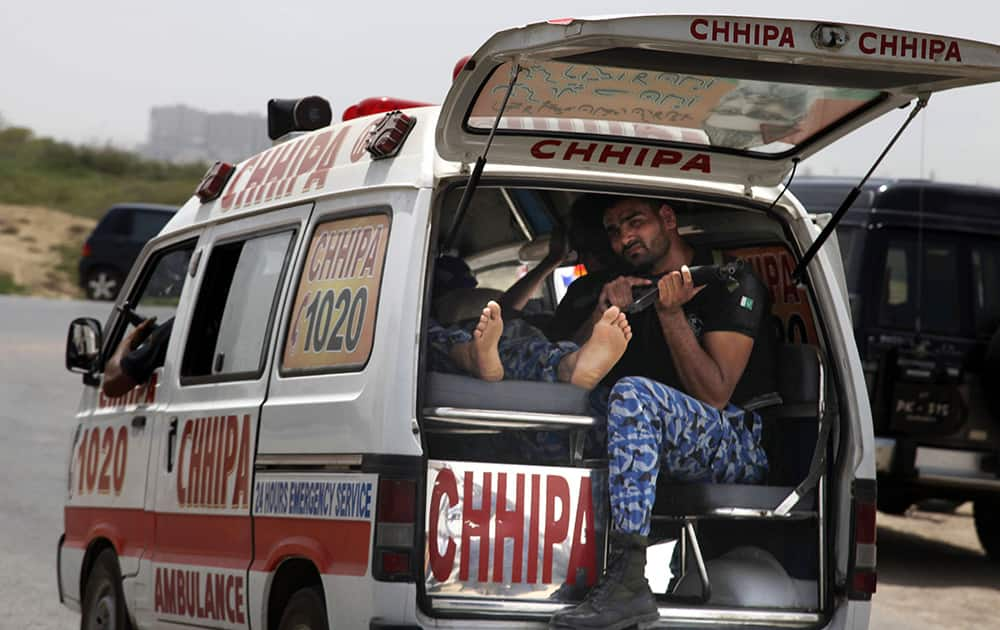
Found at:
[178, 133]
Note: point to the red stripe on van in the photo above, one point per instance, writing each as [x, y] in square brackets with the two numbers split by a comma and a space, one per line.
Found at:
[336, 547]
[130, 530]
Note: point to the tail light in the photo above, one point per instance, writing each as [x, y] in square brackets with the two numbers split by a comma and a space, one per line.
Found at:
[214, 181]
[395, 528]
[86, 252]
[863, 576]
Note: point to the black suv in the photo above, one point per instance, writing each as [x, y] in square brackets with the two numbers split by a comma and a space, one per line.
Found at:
[922, 260]
[115, 243]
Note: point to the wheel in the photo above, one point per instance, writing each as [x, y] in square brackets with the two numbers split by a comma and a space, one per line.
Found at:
[893, 502]
[103, 284]
[987, 517]
[305, 610]
[103, 602]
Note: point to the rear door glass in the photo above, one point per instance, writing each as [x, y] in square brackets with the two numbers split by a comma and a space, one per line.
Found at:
[985, 259]
[926, 288]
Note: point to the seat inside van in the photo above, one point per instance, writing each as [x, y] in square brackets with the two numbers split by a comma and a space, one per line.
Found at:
[733, 544]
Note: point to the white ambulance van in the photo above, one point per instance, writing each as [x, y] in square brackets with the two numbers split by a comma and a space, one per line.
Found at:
[296, 463]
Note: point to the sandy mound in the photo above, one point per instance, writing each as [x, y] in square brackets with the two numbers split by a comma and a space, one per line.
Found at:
[32, 241]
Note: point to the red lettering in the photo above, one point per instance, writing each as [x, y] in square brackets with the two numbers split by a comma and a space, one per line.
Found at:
[787, 38]
[476, 524]
[863, 43]
[509, 524]
[583, 555]
[208, 463]
[700, 162]
[665, 156]
[536, 494]
[720, 30]
[181, 587]
[641, 156]
[199, 605]
[256, 181]
[888, 45]
[240, 618]
[536, 149]
[220, 597]
[318, 254]
[232, 432]
[227, 199]
[698, 29]
[556, 528]
[444, 486]
[741, 32]
[343, 261]
[313, 153]
[209, 597]
[326, 162]
[609, 153]
[908, 46]
[241, 490]
[277, 172]
[182, 497]
[954, 52]
[770, 34]
[574, 149]
[158, 605]
[359, 151]
[360, 249]
[371, 257]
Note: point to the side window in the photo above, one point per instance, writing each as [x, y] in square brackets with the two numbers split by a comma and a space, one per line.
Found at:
[332, 326]
[902, 286]
[118, 222]
[986, 288]
[229, 329]
[160, 285]
[146, 225]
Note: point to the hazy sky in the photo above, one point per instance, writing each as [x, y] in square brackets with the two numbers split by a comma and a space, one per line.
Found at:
[90, 71]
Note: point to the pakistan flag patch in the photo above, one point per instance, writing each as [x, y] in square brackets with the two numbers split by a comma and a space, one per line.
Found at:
[746, 302]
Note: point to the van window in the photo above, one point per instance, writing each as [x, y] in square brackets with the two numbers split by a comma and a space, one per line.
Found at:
[986, 288]
[230, 327]
[939, 307]
[332, 327]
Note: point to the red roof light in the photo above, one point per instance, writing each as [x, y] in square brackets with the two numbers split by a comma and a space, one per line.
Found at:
[214, 181]
[378, 105]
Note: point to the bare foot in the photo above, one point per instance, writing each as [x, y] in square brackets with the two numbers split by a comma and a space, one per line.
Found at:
[588, 365]
[483, 350]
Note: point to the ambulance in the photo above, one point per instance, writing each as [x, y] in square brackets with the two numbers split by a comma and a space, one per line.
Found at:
[297, 463]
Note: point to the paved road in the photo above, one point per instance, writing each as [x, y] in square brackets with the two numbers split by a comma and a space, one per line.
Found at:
[932, 573]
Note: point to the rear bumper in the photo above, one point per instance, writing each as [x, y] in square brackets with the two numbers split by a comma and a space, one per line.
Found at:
[936, 467]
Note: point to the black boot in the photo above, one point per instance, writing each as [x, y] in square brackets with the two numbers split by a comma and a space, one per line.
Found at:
[622, 597]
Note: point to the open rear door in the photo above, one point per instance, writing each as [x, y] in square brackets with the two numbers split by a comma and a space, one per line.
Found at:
[731, 99]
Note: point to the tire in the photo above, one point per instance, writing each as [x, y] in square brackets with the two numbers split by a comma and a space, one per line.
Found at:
[103, 601]
[987, 516]
[102, 284]
[305, 610]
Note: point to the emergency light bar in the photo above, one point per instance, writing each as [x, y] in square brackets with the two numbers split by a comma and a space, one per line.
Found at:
[378, 105]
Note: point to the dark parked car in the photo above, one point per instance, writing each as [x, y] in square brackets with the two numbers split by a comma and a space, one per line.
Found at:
[923, 271]
[115, 243]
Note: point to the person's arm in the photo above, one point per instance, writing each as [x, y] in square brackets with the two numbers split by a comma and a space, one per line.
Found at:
[117, 382]
[517, 296]
[708, 371]
[618, 293]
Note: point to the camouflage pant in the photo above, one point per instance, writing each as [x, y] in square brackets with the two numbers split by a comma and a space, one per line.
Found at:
[526, 353]
[652, 427]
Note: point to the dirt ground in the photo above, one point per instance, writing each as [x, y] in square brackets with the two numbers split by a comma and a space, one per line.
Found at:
[31, 239]
[933, 573]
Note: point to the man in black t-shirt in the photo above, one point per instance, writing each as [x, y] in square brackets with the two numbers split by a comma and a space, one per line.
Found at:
[670, 410]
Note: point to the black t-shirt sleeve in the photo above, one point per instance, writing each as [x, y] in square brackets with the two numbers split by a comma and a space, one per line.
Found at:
[738, 306]
[576, 306]
[151, 353]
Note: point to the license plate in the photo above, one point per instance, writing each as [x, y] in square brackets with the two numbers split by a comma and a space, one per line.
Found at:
[928, 405]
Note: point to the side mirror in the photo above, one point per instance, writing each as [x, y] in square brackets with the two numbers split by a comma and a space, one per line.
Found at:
[83, 345]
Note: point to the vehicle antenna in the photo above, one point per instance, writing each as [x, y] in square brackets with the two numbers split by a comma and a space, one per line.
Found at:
[477, 171]
[800, 269]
